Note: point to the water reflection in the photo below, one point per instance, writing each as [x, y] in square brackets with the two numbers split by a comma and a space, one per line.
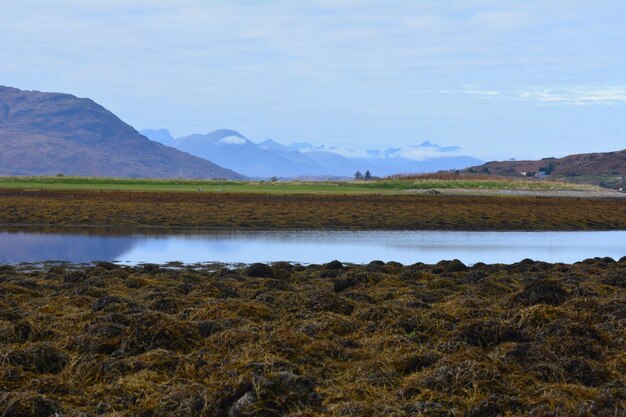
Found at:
[37, 247]
[314, 246]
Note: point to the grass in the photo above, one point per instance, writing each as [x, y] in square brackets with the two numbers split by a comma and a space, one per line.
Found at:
[608, 181]
[527, 339]
[306, 211]
[387, 186]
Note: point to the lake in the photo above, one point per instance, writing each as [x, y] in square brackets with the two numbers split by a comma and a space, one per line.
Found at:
[406, 247]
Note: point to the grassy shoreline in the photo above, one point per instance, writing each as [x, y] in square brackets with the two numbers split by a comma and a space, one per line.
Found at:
[384, 186]
[530, 339]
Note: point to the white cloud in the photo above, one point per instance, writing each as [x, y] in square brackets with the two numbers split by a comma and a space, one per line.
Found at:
[415, 152]
[576, 96]
[581, 96]
[420, 153]
[232, 140]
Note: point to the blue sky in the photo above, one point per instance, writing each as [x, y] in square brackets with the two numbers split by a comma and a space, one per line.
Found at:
[501, 79]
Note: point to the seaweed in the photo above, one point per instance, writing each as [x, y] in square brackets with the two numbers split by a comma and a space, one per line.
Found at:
[527, 339]
[409, 211]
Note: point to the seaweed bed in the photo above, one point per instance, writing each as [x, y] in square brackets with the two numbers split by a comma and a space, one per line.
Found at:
[531, 338]
[266, 211]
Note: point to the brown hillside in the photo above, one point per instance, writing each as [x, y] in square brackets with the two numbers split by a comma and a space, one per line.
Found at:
[51, 133]
[611, 163]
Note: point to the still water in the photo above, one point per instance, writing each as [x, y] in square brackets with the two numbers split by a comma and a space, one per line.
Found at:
[406, 247]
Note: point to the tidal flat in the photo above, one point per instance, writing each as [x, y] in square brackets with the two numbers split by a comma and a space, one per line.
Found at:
[525, 339]
[250, 211]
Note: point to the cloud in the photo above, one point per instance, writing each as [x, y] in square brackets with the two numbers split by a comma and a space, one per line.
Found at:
[355, 71]
[232, 140]
[420, 152]
[575, 96]
[581, 96]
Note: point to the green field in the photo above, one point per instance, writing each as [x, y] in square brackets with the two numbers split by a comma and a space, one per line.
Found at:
[383, 186]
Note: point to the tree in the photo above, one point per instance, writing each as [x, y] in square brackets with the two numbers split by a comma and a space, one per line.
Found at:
[368, 175]
[358, 175]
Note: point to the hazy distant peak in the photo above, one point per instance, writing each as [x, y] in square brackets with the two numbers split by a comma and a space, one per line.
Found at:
[158, 135]
[434, 146]
[215, 137]
[272, 144]
[301, 146]
[392, 151]
[224, 133]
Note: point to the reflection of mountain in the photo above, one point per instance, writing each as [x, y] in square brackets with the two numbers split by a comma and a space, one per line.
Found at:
[37, 247]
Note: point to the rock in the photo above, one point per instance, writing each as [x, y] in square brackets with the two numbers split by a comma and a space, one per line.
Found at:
[109, 266]
[241, 405]
[259, 270]
[334, 265]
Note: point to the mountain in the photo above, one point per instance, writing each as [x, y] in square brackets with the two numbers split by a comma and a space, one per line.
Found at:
[230, 149]
[273, 145]
[52, 133]
[158, 135]
[268, 158]
[605, 163]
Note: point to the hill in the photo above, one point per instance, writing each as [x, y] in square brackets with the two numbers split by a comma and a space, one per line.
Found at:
[52, 133]
[589, 164]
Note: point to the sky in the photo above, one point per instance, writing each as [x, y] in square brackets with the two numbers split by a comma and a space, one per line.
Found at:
[501, 79]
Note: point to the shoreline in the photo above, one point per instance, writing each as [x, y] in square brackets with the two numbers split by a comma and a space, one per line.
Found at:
[193, 230]
[212, 266]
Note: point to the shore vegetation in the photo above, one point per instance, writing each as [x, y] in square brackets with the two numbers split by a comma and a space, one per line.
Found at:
[527, 339]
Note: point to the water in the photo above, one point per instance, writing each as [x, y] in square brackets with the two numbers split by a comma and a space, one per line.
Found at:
[406, 247]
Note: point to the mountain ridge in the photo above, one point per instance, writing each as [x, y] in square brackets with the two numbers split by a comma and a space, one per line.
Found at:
[45, 133]
[268, 158]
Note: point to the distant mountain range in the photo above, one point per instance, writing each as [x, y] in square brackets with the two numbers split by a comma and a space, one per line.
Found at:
[601, 163]
[52, 133]
[268, 158]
